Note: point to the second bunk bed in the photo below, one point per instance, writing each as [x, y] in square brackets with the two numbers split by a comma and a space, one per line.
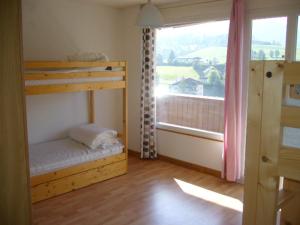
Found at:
[64, 165]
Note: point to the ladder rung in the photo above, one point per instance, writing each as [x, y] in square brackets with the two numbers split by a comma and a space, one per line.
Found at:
[290, 116]
[284, 197]
[291, 73]
[289, 163]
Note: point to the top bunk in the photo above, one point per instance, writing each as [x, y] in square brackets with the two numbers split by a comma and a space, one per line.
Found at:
[46, 77]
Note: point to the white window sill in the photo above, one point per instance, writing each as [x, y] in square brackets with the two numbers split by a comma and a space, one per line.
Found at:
[190, 131]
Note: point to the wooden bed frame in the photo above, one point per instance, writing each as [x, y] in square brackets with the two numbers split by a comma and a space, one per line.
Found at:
[65, 180]
[266, 159]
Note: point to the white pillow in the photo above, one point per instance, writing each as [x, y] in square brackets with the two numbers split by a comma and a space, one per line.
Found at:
[92, 136]
[88, 56]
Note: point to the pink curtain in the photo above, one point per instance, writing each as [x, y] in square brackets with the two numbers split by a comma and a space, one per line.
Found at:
[234, 95]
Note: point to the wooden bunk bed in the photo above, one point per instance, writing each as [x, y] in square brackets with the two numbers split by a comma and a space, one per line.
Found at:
[273, 145]
[47, 77]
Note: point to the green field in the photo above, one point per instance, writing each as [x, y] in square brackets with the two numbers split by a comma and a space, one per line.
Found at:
[210, 53]
[168, 74]
[219, 53]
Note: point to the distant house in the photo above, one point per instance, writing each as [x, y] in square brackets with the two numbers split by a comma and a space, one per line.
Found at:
[188, 86]
[188, 59]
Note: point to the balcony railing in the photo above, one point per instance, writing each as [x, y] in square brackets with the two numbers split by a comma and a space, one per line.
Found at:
[202, 113]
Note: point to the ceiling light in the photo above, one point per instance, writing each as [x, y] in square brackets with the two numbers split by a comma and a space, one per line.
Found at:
[150, 16]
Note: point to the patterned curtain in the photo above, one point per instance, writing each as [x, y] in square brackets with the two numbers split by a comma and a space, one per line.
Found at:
[148, 112]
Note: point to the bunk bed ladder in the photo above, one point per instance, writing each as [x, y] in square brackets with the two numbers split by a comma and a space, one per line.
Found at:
[266, 159]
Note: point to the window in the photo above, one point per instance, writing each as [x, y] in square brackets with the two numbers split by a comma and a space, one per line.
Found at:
[268, 38]
[190, 75]
[298, 41]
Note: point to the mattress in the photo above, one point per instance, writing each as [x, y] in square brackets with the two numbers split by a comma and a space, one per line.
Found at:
[54, 155]
[75, 70]
[71, 81]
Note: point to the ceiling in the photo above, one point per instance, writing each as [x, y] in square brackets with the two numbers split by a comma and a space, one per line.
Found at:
[126, 3]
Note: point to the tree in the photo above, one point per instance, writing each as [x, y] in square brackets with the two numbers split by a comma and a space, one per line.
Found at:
[254, 54]
[261, 55]
[213, 77]
[172, 57]
[271, 53]
[277, 54]
[199, 68]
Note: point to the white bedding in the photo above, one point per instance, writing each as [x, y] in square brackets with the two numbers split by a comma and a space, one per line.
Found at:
[93, 136]
[51, 156]
[71, 81]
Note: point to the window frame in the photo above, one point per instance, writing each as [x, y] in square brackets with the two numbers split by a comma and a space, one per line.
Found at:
[291, 33]
[189, 131]
[290, 51]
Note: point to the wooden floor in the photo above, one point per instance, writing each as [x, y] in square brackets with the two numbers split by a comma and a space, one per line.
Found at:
[152, 193]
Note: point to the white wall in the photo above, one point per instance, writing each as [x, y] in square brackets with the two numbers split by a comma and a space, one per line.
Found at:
[132, 53]
[195, 150]
[191, 149]
[54, 29]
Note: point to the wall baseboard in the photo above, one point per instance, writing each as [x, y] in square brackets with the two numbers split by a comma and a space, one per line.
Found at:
[133, 153]
[199, 168]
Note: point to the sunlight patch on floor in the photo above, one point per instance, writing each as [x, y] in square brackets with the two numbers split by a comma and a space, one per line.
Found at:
[210, 196]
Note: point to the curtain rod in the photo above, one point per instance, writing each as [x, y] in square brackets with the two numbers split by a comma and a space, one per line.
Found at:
[178, 4]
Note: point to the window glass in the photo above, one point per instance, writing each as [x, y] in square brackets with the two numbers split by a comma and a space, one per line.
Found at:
[191, 59]
[298, 41]
[268, 38]
[190, 75]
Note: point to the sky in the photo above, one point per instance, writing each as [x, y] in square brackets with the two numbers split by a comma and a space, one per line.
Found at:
[211, 29]
[271, 29]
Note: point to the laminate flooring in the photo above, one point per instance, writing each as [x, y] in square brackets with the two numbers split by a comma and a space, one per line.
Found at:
[152, 193]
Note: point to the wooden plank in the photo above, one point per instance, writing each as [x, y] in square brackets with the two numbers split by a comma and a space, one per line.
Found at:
[14, 192]
[91, 107]
[290, 116]
[269, 148]
[283, 198]
[50, 76]
[290, 211]
[292, 73]
[36, 180]
[125, 111]
[79, 180]
[289, 163]
[252, 159]
[62, 88]
[66, 64]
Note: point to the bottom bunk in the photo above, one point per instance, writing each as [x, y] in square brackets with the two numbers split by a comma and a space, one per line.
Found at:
[64, 165]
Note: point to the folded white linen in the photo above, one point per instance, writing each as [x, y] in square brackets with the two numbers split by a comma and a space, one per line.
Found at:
[93, 136]
[109, 141]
